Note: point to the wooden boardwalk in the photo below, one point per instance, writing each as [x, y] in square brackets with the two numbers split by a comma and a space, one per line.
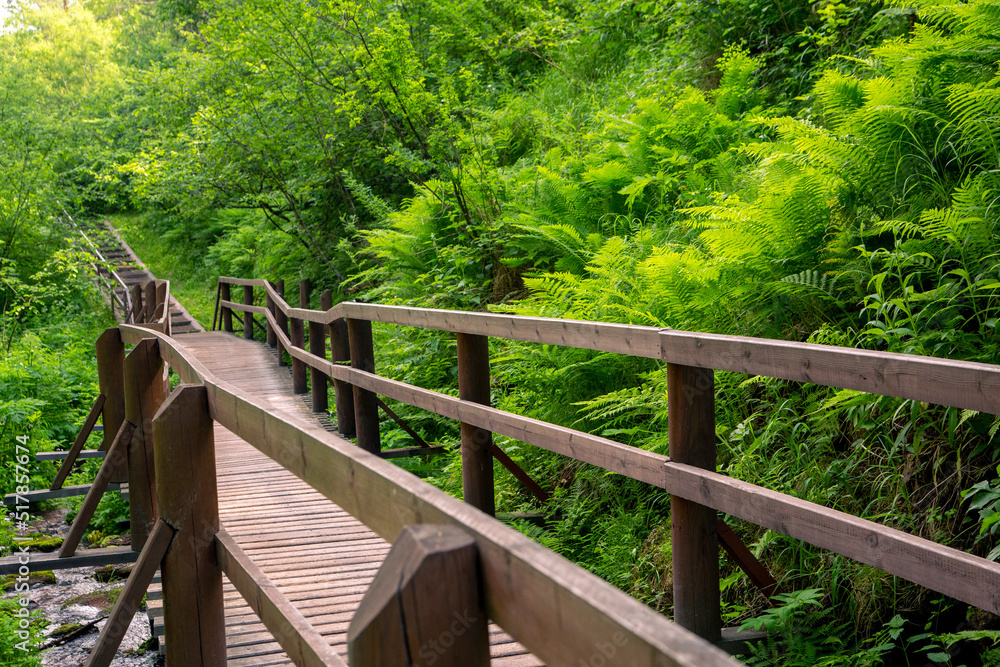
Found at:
[319, 556]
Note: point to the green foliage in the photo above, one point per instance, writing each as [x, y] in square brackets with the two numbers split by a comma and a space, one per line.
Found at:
[10, 652]
[984, 498]
[812, 172]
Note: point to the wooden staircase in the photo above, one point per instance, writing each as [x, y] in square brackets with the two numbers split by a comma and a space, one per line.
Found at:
[122, 260]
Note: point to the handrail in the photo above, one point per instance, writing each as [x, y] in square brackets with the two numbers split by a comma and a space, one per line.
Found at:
[962, 384]
[126, 301]
[956, 383]
[554, 608]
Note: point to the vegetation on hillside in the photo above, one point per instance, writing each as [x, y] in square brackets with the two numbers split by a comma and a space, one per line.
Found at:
[823, 172]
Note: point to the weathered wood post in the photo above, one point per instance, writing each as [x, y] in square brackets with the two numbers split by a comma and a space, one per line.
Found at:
[298, 338]
[282, 319]
[110, 377]
[227, 313]
[272, 337]
[136, 292]
[340, 350]
[362, 347]
[695, 544]
[317, 378]
[151, 302]
[247, 315]
[408, 615]
[161, 303]
[477, 459]
[187, 496]
[144, 393]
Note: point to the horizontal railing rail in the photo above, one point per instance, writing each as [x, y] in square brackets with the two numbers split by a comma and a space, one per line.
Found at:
[687, 474]
[954, 383]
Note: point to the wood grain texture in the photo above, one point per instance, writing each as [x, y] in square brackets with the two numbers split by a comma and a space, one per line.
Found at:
[136, 303]
[366, 421]
[110, 351]
[408, 617]
[961, 384]
[943, 569]
[694, 541]
[296, 635]
[131, 595]
[245, 307]
[187, 497]
[318, 381]
[81, 439]
[477, 443]
[340, 350]
[144, 393]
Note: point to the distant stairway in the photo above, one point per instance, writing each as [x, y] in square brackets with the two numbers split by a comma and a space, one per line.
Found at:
[104, 242]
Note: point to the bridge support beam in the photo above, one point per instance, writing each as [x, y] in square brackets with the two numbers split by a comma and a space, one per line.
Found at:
[477, 443]
[424, 606]
[695, 543]
[187, 495]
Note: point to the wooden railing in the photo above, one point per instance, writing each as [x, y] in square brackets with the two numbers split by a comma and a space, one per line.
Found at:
[556, 609]
[560, 612]
[689, 473]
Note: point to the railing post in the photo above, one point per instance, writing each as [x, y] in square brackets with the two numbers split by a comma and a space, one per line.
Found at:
[298, 338]
[110, 377]
[365, 404]
[340, 350]
[151, 303]
[477, 459]
[410, 616]
[144, 393]
[317, 378]
[227, 313]
[136, 303]
[695, 543]
[161, 300]
[282, 319]
[272, 338]
[247, 315]
[187, 495]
